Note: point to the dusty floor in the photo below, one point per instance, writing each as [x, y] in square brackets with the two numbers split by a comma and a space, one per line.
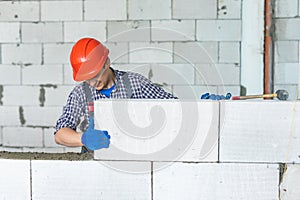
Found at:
[46, 156]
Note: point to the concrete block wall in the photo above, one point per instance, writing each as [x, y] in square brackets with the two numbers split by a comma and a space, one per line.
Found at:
[197, 43]
[245, 156]
[286, 46]
[188, 47]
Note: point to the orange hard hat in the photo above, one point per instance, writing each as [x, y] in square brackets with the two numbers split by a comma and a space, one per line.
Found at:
[87, 58]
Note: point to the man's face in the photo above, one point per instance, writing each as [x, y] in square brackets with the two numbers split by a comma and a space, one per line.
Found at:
[100, 81]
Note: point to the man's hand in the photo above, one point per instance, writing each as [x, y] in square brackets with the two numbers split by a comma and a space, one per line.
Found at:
[95, 139]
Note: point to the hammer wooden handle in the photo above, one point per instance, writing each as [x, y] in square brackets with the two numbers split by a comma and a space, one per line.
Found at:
[254, 96]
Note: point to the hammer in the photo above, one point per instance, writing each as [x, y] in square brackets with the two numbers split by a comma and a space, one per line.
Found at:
[280, 94]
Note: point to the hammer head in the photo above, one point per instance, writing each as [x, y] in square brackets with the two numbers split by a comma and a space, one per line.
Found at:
[282, 94]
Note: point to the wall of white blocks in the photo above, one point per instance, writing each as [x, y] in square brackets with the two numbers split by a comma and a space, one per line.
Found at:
[196, 42]
[214, 150]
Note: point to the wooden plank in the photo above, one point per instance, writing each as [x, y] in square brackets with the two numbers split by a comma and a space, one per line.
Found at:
[260, 131]
[212, 181]
[158, 130]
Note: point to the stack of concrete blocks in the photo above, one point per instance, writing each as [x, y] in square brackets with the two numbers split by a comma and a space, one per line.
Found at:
[187, 47]
[286, 45]
[212, 150]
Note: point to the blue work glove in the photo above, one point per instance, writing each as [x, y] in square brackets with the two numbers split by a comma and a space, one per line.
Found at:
[215, 97]
[95, 139]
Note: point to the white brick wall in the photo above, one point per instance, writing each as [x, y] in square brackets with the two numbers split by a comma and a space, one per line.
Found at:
[207, 52]
[216, 181]
[98, 181]
[42, 32]
[105, 10]
[46, 74]
[10, 32]
[41, 116]
[22, 137]
[218, 30]
[149, 9]
[194, 9]
[37, 37]
[9, 116]
[57, 53]
[10, 74]
[18, 95]
[75, 30]
[61, 10]
[130, 31]
[228, 9]
[150, 52]
[229, 52]
[286, 51]
[286, 8]
[19, 11]
[19, 169]
[21, 53]
[173, 30]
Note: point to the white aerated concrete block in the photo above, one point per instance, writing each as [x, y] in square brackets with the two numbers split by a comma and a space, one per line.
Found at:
[49, 138]
[0, 136]
[289, 187]
[219, 30]
[149, 9]
[57, 96]
[217, 74]
[41, 116]
[22, 137]
[177, 74]
[215, 181]
[9, 71]
[89, 180]
[21, 95]
[42, 32]
[173, 30]
[21, 54]
[61, 10]
[44, 74]
[130, 31]
[150, 52]
[118, 52]
[229, 52]
[286, 51]
[10, 32]
[57, 53]
[10, 116]
[142, 69]
[287, 29]
[285, 8]
[158, 130]
[19, 11]
[68, 75]
[195, 52]
[228, 9]
[105, 10]
[286, 73]
[15, 179]
[73, 31]
[194, 9]
[264, 131]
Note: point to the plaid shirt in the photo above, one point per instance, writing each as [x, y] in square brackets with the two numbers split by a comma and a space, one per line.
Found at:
[75, 112]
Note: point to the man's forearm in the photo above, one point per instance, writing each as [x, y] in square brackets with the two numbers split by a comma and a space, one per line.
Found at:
[68, 137]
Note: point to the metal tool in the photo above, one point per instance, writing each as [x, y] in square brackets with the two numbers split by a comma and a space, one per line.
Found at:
[280, 94]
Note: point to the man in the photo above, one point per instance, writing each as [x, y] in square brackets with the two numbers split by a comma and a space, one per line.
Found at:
[91, 66]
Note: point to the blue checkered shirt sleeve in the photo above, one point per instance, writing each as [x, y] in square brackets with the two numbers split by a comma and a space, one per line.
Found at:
[73, 110]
